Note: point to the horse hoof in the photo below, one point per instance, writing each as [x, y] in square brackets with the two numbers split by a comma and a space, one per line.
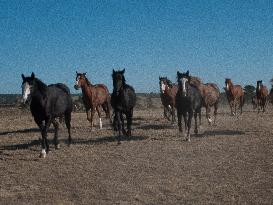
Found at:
[119, 142]
[43, 154]
[58, 146]
[189, 140]
[129, 133]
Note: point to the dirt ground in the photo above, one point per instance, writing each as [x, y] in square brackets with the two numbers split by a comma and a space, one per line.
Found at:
[231, 163]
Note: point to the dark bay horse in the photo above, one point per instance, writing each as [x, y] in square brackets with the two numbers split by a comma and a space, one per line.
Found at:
[262, 95]
[235, 96]
[94, 96]
[46, 104]
[123, 101]
[188, 103]
[210, 93]
[168, 92]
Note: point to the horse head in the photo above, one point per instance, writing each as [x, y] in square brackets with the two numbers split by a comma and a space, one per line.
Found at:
[80, 80]
[164, 84]
[118, 80]
[259, 85]
[183, 80]
[27, 87]
[228, 84]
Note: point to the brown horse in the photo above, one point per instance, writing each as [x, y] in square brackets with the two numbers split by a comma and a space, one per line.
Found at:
[262, 95]
[168, 92]
[235, 96]
[210, 94]
[94, 96]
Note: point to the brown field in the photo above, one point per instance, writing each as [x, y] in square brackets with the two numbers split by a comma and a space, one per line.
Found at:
[231, 163]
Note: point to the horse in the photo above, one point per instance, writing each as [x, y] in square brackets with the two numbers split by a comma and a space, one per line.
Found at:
[235, 96]
[188, 103]
[262, 95]
[123, 101]
[168, 92]
[47, 103]
[94, 97]
[210, 93]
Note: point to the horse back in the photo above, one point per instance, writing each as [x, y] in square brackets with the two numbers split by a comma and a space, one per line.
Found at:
[264, 91]
[58, 100]
[238, 91]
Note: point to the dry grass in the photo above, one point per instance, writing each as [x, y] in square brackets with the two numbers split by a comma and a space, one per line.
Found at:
[231, 163]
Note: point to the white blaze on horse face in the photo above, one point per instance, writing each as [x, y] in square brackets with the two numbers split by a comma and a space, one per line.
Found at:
[163, 87]
[227, 87]
[100, 124]
[77, 81]
[183, 81]
[25, 91]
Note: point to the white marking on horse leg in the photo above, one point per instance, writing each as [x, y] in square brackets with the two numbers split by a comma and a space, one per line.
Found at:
[100, 124]
[210, 120]
[43, 153]
[189, 137]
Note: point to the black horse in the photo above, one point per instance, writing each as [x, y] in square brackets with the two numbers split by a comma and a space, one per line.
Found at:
[188, 103]
[123, 101]
[46, 104]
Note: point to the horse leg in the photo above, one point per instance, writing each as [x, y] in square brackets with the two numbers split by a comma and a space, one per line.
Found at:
[99, 114]
[106, 108]
[67, 119]
[122, 124]
[129, 118]
[215, 112]
[44, 142]
[195, 120]
[118, 119]
[185, 122]
[56, 126]
[92, 116]
[173, 115]
[189, 125]
[208, 114]
[179, 122]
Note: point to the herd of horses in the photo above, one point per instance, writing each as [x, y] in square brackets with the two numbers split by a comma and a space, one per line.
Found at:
[48, 103]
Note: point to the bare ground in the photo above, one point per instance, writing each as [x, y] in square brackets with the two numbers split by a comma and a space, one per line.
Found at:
[231, 163]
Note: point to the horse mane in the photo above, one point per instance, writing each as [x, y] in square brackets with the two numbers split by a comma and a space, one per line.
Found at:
[195, 81]
[40, 85]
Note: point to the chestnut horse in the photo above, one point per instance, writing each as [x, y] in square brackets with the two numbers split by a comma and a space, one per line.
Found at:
[262, 95]
[235, 96]
[210, 94]
[168, 92]
[94, 96]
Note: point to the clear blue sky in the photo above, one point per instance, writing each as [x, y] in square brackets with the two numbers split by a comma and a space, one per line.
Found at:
[214, 39]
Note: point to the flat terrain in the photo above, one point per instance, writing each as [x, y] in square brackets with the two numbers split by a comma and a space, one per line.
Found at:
[231, 163]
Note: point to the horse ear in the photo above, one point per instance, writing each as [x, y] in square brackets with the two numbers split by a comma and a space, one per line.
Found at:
[84, 74]
[178, 73]
[113, 71]
[188, 72]
[23, 77]
[123, 71]
[76, 72]
[32, 75]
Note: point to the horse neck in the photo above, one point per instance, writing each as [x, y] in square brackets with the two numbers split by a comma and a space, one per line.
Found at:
[40, 92]
[87, 87]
